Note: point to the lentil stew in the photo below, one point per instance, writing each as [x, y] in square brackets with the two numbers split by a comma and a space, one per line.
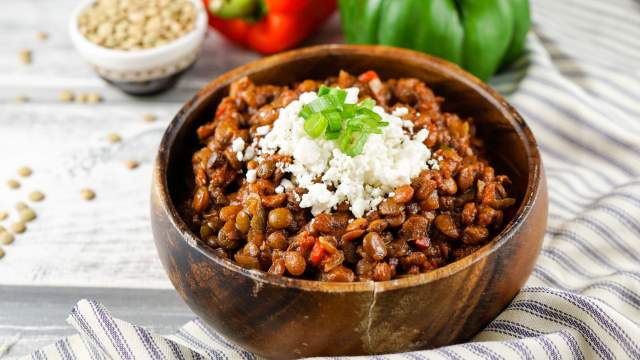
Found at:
[447, 212]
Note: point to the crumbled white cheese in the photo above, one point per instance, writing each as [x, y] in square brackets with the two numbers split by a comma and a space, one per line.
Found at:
[400, 111]
[306, 98]
[388, 160]
[237, 145]
[249, 153]
[279, 189]
[352, 96]
[286, 184]
[251, 176]
[263, 130]
[408, 124]
[239, 155]
[421, 135]
[318, 196]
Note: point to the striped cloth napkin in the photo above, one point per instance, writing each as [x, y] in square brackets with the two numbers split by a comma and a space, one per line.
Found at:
[579, 90]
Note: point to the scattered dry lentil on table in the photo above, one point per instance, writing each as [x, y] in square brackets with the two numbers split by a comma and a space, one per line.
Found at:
[13, 184]
[21, 99]
[136, 24]
[27, 215]
[21, 205]
[114, 138]
[66, 96]
[89, 98]
[42, 36]
[25, 171]
[25, 56]
[36, 196]
[18, 227]
[6, 238]
[94, 98]
[149, 117]
[1, 253]
[87, 194]
[3, 215]
[132, 164]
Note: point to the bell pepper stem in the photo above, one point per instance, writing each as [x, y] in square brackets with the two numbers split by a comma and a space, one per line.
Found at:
[229, 9]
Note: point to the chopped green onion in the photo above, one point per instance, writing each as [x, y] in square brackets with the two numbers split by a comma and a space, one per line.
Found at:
[315, 125]
[352, 142]
[349, 124]
[368, 103]
[358, 144]
[305, 112]
[335, 120]
[332, 135]
[369, 113]
[341, 95]
[349, 110]
[321, 104]
[324, 90]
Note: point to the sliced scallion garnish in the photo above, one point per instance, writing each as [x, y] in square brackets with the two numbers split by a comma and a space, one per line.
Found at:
[349, 124]
[315, 125]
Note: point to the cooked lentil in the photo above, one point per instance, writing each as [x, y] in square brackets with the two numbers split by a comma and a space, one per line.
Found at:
[248, 207]
[36, 196]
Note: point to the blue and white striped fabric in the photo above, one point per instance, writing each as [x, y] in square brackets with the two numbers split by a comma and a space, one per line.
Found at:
[579, 90]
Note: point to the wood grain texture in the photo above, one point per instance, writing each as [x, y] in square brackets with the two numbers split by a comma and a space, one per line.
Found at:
[36, 315]
[281, 317]
[74, 243]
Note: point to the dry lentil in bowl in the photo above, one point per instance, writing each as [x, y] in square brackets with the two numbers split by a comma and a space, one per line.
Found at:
[136, 24]
[395, 188]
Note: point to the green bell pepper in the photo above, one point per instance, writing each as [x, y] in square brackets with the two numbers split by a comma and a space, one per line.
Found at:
[479, 35]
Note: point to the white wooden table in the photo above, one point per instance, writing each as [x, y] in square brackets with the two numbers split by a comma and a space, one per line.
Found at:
[101, 249]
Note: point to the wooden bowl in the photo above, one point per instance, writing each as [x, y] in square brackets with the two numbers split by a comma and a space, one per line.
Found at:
[281, 317]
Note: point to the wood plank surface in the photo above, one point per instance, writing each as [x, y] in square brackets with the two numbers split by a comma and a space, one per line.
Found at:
[107, 242]
[103, 249]
[35, 316]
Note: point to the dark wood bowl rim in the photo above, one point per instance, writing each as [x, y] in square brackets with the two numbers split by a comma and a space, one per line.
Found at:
[451, 70]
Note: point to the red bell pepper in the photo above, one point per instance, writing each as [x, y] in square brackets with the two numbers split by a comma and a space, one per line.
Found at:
[368, 76]
[317, 253]
[268, 26]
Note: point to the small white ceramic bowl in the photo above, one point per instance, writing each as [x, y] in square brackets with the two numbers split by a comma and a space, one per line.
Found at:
[147, 71]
